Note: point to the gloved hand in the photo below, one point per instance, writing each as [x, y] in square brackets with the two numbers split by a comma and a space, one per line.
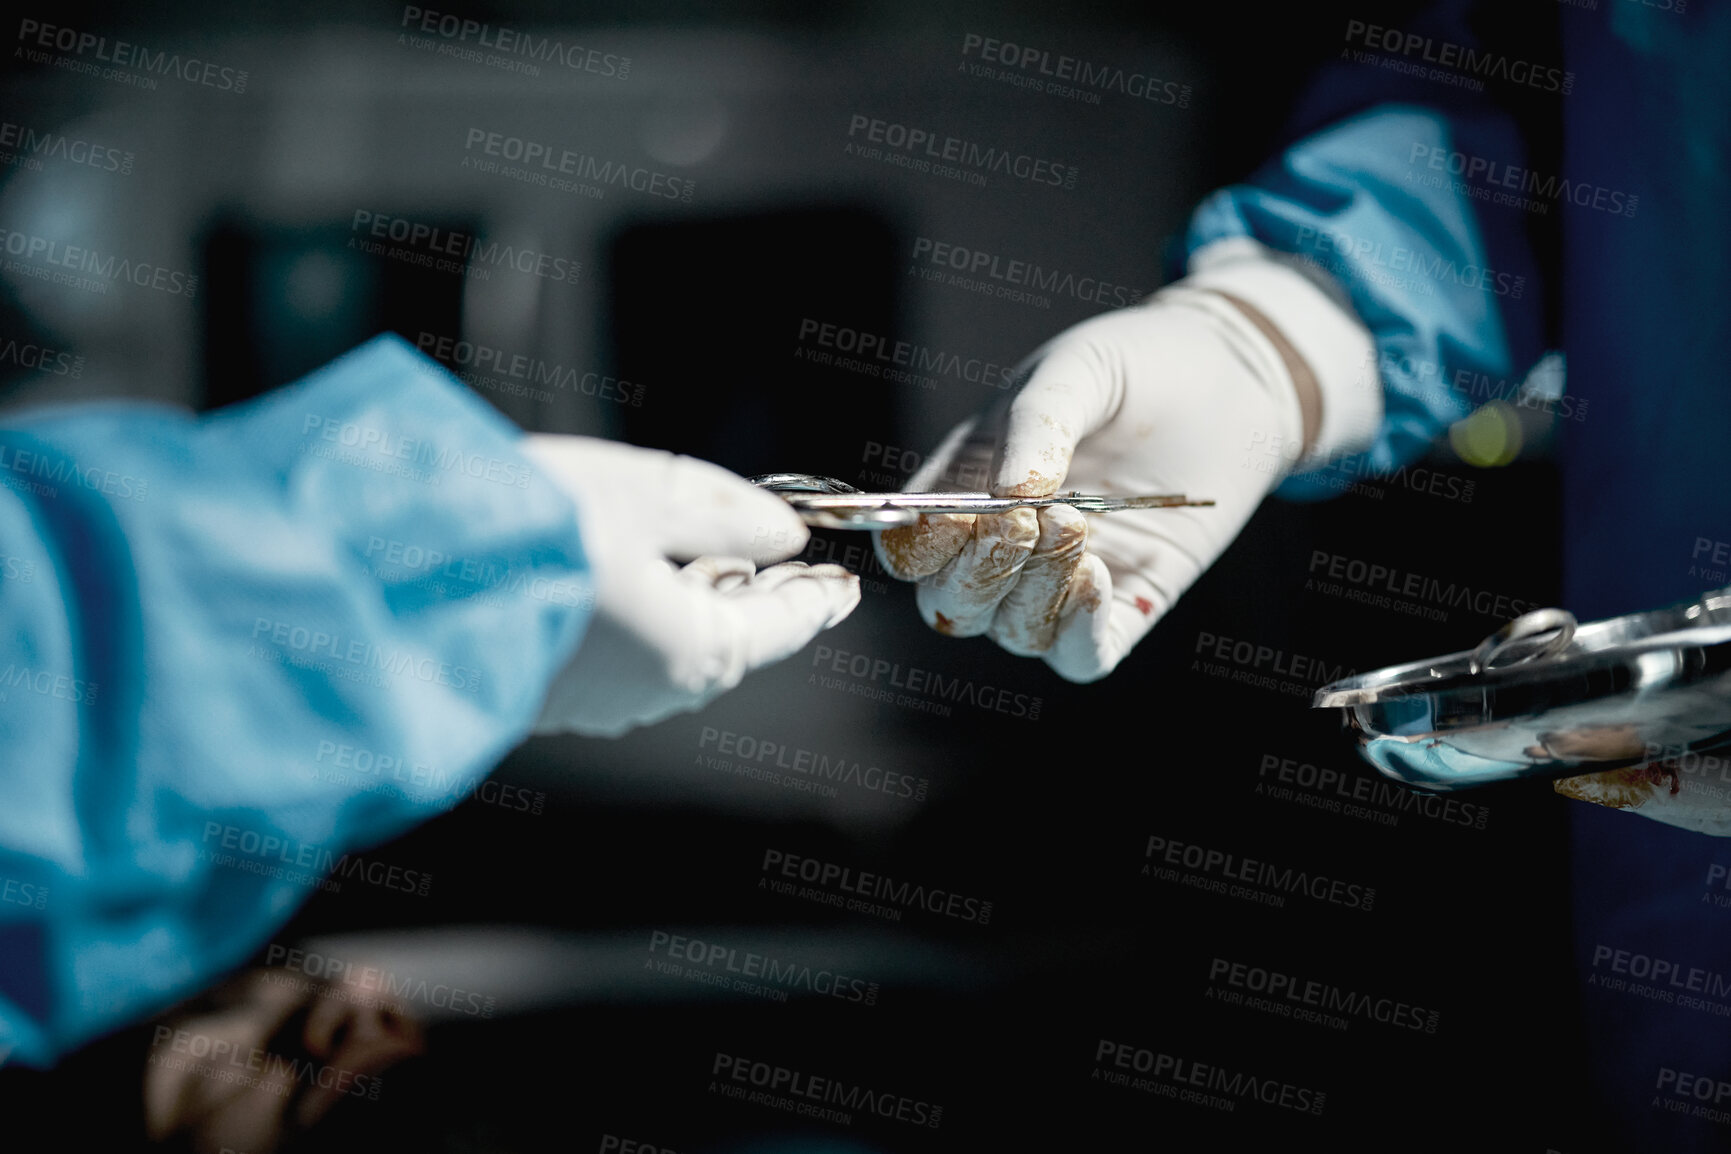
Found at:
[1216, 387]
[664, 639]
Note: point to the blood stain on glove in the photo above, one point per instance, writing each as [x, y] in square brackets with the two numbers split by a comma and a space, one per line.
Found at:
[967, 591]
[1039, 484]
[1027, 620]
[1145, 605]
[921, 549]
[1619, 788]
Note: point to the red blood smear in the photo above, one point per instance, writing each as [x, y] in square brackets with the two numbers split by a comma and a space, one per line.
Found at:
[1658, 771]
[1145, 605]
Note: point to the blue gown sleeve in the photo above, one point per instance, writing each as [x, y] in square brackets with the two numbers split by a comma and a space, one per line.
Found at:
[1372, 194]
[219, 636]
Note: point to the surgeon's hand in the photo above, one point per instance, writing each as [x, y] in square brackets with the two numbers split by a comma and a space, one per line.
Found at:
[667, 639]
[1216, 388]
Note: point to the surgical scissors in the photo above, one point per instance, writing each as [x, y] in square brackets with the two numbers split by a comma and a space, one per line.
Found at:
[827, 503]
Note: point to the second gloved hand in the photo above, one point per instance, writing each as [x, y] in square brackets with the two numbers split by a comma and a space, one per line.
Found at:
[667, 639]
[1199, 391]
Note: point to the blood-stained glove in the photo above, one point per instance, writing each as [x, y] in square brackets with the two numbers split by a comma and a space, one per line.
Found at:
[666, 639]
[1217, 387]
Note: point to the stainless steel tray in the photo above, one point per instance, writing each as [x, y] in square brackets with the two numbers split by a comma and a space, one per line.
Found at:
[1544, 697]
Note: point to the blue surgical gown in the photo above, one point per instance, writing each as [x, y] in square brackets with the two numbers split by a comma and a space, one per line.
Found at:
[236, 652]
[1646, 236]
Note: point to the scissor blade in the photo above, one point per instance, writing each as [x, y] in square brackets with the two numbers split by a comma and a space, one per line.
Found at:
[1112, 504]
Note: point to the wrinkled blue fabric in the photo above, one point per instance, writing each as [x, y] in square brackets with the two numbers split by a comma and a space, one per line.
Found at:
[1647, 479]
[237, 651]
[1451, 295]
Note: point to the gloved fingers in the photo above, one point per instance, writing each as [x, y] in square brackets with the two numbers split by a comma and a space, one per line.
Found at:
[1082, 649]
[960, 599]
[366, 1039]
[1028, 618]
[785, 606]
[727, 634]
[675, 506]
[1111, 609]
[1073, 392]
[720, 573]
[910, 552]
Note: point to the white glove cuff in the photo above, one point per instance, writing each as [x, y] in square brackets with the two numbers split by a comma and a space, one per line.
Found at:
[1319, 324]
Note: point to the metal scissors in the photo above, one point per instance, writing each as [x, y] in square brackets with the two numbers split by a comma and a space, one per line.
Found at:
[827, 503]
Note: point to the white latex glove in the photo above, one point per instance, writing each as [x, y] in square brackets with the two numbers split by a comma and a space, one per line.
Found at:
[665, 639]
[1185, 393]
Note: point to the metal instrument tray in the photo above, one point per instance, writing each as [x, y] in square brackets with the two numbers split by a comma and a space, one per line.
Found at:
[1544, 697]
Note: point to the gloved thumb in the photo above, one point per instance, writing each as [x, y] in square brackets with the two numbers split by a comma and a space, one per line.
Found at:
[1072, 392]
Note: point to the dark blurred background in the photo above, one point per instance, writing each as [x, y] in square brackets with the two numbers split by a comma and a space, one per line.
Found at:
[699, 308]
